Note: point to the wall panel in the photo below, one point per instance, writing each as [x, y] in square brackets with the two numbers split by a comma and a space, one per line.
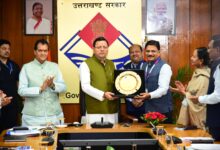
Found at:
[179, 43]
[11, 27]
[200, 24]
[215, 17]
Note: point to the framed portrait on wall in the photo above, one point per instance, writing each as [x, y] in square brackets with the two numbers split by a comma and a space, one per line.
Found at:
[38, 17]
[160, 17]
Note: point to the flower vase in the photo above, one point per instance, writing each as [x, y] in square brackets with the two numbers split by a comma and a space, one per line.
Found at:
[152, 125]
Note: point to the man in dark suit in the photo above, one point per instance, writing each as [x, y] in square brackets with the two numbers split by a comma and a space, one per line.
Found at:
[212, 99]
[9, 72]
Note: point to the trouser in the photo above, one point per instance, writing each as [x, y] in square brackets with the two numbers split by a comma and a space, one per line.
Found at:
[169, 117]
[215, 132]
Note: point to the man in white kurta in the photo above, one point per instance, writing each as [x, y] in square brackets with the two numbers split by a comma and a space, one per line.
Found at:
[40, 81]
[96, 76]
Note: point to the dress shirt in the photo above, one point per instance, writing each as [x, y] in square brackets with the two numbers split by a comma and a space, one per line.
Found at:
[85, 82]
[214, 97]
[163, 82]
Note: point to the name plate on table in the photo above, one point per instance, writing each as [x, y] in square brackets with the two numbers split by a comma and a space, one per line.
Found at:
[129, 83]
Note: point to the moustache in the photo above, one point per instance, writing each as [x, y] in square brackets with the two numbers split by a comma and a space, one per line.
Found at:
[150, 56]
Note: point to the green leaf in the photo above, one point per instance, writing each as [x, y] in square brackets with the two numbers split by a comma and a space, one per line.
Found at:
[110, 148]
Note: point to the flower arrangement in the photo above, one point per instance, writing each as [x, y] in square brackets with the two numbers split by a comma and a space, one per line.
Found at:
[153, 117]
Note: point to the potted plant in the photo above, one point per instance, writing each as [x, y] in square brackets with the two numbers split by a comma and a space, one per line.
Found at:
[183, 74]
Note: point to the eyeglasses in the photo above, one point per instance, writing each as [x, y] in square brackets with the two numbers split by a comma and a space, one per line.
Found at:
[101, 47]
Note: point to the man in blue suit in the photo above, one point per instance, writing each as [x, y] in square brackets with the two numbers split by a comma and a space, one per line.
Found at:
[157, 96]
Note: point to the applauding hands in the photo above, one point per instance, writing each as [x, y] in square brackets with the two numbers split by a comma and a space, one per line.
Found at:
[47, 83]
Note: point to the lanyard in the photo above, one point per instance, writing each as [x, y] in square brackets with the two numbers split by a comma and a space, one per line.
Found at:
[9, 66]
[146, 70]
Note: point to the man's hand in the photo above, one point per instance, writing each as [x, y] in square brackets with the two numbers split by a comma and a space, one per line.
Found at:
[109, 96]
[4, 99]
[194, 99]
[143, 96]
[50, 81]
[137, 102]
[47, 83]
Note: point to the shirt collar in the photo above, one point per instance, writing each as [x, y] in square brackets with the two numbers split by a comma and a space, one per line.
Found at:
[38, 63]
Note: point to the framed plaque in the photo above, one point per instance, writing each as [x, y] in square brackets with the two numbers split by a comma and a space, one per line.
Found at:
[129, 83]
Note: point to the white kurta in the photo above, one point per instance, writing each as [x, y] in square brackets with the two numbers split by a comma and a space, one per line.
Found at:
[214, 97]
[96, 93]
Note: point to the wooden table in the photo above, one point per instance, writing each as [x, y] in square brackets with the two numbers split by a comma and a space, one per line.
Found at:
[35, 142]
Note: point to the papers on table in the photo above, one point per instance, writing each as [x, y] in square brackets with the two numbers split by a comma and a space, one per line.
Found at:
[198, 139]
[204, 147]
[30, 132]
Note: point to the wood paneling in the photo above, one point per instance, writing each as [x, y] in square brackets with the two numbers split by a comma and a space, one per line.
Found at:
[11, 28]
[179, 43]
[215, 11]
[71, 112]
[196, 22]
[200, 24]
[1, 17]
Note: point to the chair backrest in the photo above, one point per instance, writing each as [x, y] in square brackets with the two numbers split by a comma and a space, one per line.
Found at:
[82, 101]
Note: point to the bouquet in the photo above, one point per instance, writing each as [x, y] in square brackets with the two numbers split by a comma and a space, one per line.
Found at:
[153, 117]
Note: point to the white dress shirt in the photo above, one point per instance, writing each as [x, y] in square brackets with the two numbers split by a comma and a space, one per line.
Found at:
[96, 93]
[163, 82]
[214, 97]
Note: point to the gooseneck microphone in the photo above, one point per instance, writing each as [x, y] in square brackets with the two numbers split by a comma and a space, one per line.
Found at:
[101, 120]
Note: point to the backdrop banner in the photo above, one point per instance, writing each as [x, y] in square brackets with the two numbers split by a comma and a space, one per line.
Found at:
[80, 22]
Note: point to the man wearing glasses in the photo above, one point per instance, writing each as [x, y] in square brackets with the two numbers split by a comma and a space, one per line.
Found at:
[96, 77]
[157, 80]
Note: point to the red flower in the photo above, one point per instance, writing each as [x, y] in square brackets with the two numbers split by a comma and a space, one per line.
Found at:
[154, 117]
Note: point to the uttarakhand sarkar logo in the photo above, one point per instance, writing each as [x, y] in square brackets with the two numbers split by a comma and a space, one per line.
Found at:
[98, 26]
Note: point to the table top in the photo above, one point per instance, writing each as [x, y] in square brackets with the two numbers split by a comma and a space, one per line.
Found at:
[35, 142]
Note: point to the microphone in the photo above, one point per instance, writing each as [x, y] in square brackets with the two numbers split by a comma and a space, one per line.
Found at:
[101, 124]
[101, 120]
